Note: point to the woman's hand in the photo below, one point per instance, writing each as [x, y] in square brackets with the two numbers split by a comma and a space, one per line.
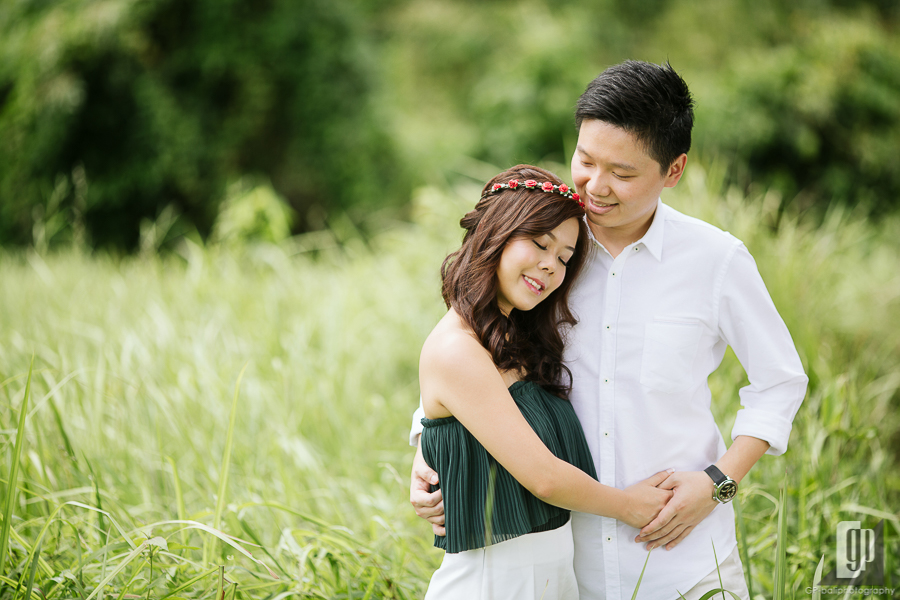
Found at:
[692, 502]
[644, 501]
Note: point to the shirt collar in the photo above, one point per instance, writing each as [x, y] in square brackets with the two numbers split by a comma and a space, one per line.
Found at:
[653, 239]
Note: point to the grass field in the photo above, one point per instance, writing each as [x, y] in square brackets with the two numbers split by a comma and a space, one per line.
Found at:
[139, 455]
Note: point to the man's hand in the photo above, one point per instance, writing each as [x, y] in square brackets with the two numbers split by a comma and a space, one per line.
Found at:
[691, 502]
[428, 505]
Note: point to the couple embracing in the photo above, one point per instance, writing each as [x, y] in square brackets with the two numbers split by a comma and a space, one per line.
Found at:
[565, 428]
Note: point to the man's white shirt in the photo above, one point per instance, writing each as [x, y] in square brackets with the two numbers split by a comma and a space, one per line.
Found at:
[653, 324]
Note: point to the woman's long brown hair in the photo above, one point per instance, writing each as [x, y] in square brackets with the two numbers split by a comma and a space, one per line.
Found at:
[529, 341]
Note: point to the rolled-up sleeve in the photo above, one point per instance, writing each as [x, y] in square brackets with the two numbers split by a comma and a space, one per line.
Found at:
[751, 325]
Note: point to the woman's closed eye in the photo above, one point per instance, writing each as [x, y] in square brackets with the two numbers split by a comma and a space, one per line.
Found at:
[565, 263]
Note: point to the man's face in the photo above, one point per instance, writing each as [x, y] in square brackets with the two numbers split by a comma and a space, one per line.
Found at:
[618, 181]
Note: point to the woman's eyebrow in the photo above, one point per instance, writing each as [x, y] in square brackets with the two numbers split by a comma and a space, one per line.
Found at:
[553, 237]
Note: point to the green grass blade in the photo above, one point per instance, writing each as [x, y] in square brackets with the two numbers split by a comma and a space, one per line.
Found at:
[371, 587]
[130, 582]
[189, 583]
[781, 551]
[817, 578]
[179, 499]
[256, 540]
[125, 562]
[12, 479]
[220, 586]
[228, 539]
[708, 595]
[637, 586]
[226, 461]
[33, 571]
[742, 543]
[105, 554]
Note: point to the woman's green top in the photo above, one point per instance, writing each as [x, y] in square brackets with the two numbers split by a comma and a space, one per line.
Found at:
[469, 476]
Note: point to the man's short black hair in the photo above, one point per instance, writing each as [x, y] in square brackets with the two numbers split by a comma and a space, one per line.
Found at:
[651, 102]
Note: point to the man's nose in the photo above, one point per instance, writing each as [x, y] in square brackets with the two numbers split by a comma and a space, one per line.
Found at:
[598, 185]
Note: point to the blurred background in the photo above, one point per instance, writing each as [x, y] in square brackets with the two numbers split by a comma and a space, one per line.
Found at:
[221, 226]
[274, 117]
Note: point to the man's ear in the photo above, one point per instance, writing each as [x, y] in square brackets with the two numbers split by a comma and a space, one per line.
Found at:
[675, 171]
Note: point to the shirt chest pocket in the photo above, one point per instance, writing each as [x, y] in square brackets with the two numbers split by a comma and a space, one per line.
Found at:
[669, 351]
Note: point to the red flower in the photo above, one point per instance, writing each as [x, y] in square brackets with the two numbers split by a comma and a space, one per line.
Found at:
[563, 189]
[530, 183]
[576, 197]
[547, 186]
[496, 187]
[513, 183]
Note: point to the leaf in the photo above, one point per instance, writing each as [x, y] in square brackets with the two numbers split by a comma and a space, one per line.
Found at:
[158, 542]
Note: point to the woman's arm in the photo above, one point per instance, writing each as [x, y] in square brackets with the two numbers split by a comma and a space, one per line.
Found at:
[458, 377]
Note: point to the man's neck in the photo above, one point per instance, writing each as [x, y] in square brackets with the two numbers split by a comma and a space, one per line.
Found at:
[615, 240]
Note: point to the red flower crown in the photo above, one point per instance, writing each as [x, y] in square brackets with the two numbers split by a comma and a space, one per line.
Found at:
[530, 184]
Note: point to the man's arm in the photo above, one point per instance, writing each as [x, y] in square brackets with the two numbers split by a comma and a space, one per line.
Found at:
[693, 494]
[751, 325]
[429, 505]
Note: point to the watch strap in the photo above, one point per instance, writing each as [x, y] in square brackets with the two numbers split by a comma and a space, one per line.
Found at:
[715, 474]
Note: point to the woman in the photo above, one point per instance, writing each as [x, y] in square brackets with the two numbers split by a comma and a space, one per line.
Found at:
[510, 454]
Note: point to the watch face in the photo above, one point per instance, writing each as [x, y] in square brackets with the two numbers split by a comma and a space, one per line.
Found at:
[727, 491]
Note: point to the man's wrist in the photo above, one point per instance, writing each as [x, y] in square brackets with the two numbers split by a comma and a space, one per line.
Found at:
[725, 488]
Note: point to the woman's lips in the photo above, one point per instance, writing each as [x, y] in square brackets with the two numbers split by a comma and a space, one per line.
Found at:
[533, 284]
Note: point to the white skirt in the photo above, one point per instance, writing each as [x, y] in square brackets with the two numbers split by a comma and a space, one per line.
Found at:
[536, 566]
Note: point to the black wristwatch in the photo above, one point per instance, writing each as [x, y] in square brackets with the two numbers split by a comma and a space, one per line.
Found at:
[726, 487]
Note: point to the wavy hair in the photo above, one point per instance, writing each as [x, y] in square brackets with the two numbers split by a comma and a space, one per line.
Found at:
[529, 341]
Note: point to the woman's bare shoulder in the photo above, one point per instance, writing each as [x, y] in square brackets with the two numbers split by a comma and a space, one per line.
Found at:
[451, 344]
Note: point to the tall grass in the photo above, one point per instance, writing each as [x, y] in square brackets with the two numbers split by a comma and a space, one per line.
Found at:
[132, 462]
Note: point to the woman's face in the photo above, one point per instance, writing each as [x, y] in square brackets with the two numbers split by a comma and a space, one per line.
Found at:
[531, 268]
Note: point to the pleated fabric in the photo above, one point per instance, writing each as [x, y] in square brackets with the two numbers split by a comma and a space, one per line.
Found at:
[475, 486]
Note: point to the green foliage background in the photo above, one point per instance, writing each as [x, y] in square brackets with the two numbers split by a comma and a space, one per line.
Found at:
[136, 361]
[285, 178]
[112, 111]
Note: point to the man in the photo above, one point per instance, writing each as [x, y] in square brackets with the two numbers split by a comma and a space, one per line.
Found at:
[661, 298]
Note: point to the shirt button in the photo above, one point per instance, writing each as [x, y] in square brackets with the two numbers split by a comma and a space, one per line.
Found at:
[605, 434]
[608, 539]
[606, 381]
[607, 326]
[636, 249]
[614, 274]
